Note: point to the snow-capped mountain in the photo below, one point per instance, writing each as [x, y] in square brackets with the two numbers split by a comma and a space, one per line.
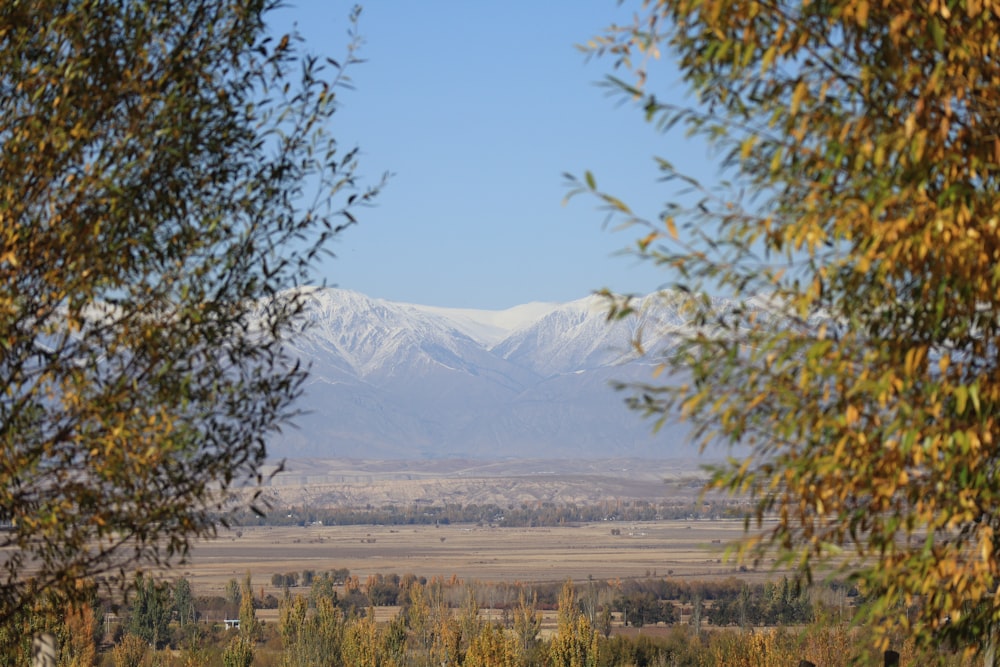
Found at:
[396, 380]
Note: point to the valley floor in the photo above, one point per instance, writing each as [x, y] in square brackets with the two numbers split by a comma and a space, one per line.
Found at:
[677, 548]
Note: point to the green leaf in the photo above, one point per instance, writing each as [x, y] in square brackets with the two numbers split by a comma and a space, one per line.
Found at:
[937, 32]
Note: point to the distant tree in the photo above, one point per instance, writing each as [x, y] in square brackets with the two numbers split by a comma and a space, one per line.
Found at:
[250, 627]
[240, 651]
[604, 621]
[383, 593]
[166, 173]
[697, 606]
[641, 608]
[323, 588]
[492, 647]
[183, 602]
[575, 643]
[445, 629]
[365, 644]
[527, 623]
[469, 621]
[79, 648]
[354, 602]
[149, 614]
[418, 616]
[130, 651]
[291, 618]
[233, 593]
[394, 642]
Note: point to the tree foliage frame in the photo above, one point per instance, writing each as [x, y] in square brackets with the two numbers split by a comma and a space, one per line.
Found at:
[857, 238]
[167, 181]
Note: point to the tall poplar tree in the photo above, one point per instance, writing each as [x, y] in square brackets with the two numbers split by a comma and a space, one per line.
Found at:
[149, 613]
[857, 235]
[166, 174]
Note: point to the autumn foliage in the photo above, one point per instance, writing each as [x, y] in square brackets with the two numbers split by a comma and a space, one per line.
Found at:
[165, 175]
[856, 232]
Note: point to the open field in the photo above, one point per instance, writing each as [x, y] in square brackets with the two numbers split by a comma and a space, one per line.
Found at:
[684, 548]
[338, 482]
[681, 548]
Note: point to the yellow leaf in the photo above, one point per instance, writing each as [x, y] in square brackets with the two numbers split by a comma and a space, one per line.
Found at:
[913, 360]
[768, 58]
[861, 13]
[851, 415]
[798, 95]
[943, 363]
[671, 227]
[776, 161]
[645, 241]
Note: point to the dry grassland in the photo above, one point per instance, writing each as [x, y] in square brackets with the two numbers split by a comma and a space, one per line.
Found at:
[680, 548]
[693, 548]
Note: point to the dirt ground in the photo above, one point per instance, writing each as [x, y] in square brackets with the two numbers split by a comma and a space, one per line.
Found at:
[679, 548]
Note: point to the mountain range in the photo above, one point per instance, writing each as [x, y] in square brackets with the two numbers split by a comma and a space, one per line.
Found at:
[394, 380]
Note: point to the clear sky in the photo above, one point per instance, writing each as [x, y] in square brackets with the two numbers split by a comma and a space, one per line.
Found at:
[477, 108]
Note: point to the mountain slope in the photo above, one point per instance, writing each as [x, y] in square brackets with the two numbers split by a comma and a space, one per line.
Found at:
[394, 380]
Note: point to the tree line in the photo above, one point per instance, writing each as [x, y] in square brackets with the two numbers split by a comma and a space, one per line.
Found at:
[519, 515]
[431, 619]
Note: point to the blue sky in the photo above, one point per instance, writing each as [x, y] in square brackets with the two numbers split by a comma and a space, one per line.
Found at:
[478, 108]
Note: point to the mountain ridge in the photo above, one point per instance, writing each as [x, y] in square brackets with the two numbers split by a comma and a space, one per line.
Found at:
[405, 381]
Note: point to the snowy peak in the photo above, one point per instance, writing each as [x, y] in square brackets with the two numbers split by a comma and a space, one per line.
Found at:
[370, 335]
[397, 380]
[490, 327]
[544, 338]
[570, 338]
